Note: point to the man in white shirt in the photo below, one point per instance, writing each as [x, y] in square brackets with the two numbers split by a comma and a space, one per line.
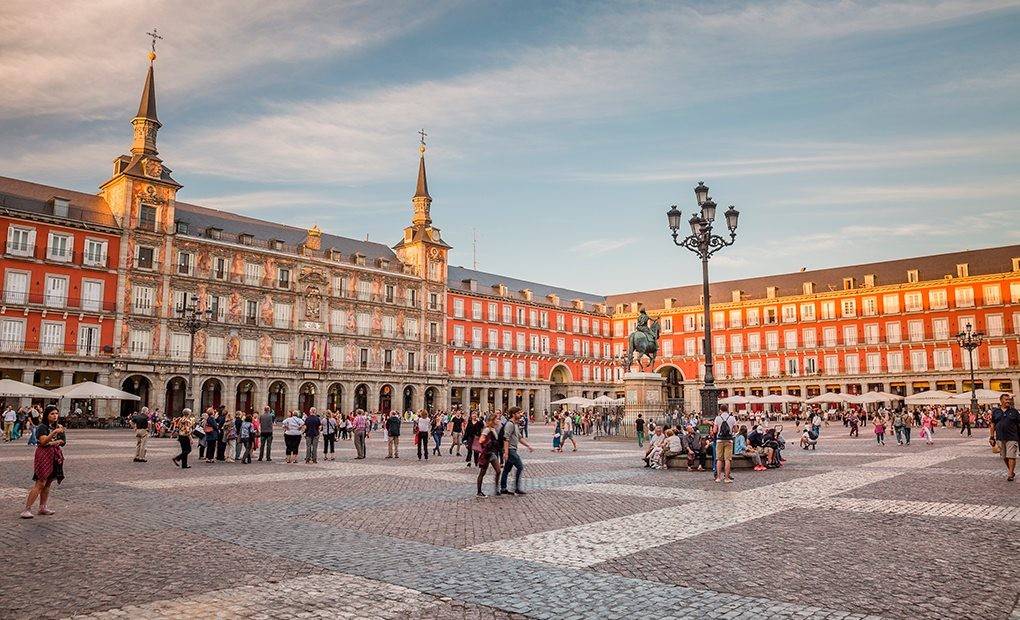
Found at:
[724, 427]
[10, 415]
[422, 427]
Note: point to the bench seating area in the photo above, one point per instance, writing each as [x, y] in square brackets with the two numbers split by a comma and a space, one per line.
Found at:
[740, 461]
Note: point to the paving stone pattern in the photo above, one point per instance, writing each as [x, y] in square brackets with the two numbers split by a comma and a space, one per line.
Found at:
[852, 530]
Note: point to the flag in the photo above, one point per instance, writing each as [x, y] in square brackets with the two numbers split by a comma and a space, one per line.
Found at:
[325, 354]
[315, 354]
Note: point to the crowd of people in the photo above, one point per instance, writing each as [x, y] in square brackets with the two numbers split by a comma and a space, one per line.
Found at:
[724, 440]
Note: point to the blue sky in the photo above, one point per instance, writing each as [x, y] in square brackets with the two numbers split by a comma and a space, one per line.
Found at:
[561, 132]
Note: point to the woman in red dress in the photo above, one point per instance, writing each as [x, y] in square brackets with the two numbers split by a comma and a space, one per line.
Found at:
[49, 461]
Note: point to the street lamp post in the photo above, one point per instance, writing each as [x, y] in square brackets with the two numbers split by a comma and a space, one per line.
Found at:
[970, 340]
[191, 319]
[704, 244]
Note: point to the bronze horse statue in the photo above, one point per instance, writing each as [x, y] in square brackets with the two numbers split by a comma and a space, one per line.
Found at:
[644, 344]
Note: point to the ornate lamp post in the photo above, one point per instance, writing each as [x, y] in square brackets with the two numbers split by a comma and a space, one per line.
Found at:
[704, 244]
[970, 340]
[191, 319]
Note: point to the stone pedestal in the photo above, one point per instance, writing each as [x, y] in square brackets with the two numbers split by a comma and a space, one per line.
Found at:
[643, 393]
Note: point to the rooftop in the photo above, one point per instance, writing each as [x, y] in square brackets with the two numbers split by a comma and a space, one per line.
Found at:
[456, 277]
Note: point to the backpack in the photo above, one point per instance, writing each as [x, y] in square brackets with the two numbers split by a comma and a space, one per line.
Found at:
[725, 432]
[501, 438]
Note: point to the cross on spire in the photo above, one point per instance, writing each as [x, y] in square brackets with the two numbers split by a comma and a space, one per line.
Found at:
[155, 35]
[423, 136]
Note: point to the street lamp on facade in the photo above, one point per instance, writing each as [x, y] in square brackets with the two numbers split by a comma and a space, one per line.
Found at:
[191, 319]
[970, 340]
[704, 244]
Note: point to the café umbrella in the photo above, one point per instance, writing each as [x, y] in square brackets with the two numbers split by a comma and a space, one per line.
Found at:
[90, 390]
[9, 388]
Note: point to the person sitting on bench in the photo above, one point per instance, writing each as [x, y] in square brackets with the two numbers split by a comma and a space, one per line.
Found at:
[742, 448]
[672, 447]
[808, 438]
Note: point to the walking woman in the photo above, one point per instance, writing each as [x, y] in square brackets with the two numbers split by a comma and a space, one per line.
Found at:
[329, 430]
[880, 430]
[928, 427]
[292, 428]
[472, 433]
[487, 454]
[247, 438]
[212, 436]
[49, 461]
[184, 428]
[230, 432]
[438, 430]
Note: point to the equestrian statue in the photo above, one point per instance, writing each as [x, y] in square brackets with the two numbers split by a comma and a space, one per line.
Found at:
[644, 341]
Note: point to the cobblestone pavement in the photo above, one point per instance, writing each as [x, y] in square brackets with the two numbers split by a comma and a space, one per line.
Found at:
[851, 530]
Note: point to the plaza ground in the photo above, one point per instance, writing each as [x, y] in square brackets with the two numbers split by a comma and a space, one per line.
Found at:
[849, 531]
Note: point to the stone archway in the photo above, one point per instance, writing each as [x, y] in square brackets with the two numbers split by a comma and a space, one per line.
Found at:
[335, 397]
[244, 398]
[140, 386]
[560, 380]
[361, 397]
[672, 387]
[408, 398]
[430, 398]
[277, 399]
[176, 392]
[385, 399]
[212, 394]
[306, 396]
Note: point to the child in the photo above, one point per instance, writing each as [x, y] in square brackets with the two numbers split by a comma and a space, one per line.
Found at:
[880, 431]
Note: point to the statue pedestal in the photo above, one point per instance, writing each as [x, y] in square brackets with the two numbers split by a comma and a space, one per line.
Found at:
[643, 395]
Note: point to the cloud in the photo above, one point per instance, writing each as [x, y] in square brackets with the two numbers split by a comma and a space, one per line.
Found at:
[878, 194]
[597, 247]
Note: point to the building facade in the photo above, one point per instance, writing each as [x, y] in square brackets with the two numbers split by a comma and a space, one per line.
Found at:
[94, 286]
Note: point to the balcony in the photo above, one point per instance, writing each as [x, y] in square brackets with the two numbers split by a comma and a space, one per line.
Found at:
[49, 300]
[20, 248]
[53, 348]
[146, 264]
[59, 254]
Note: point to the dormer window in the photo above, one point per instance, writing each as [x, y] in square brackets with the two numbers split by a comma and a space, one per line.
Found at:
[359, 259]
[869, 280]
[60, 206]
[912, 276]
[275, 244]
[962, 271]
[809, 288]
[770, 292]
[382, 263]
[848, 284]
[214, 233]
[246, 239]
[336, 255]
[181, 227]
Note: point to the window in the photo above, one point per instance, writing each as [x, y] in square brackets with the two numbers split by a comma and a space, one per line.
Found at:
[810, 337]
[831, 365]
[789, 313]
[281, 353]
[994, 325]
[56, 291]
[251, 312]
[389, 328]
[365, 294]
[476, 310]
[736, 343]
[20, 241]
[869, 306]
[184, 263]
[493, 313]
[337, 320]
[561, 346]
[667, 348]
[95, 253]
[752, 318]
[147, 218]
[771, 316]
[871, 333]
[919, 360]
[852, 363]
[283, 277]
[51, 338]
[849, 308]
[790, 339]
[458, 307]
[892, 333]
[720, 370]
[810, 366]
[88, 340]
[912, 276]
[282, 315]
[91, 295]
[59, 247]
[829, 336]
[807, 312]
[521, 343]
[828, 310]
[754, 368]
[179, 346]
[915, 330]
[991, 295]
[217, 305]
[432, 362]
[411, 328]
[792, 366]
[937, 299]
[773, 367]
[891, 304]
[220, 268]
[943, 359]
[940, 329]
[249, 350]
[772, 341]
[435, 271]
[215, 348]
[561, 324]
[894, 360]
[138, 342]
[964, 297]
[458, 335]
[508, 341]
[848, 284]
[533, 367]
[1014, 292]
[253, 274]
[998, 357]
[520, 369]
[912, 302]
[737, 369]
[506, 368]
[754, 343]
[963, 321]
[476, 337]
[962, 271]
[718, 320]
[363, 361]
[849, 335]
[508, 313]
[719, 343]
[873, 362]
[142, 299]
[735, 320]
[16, 287]
[689, 349]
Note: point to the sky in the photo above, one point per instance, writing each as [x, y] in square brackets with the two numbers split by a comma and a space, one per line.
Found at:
[559, 133]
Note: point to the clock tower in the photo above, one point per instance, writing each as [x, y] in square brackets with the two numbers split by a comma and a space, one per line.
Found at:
[423, 247]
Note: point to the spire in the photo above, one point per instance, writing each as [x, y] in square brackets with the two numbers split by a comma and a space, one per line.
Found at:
[423, 183]
[421, 200]
[147, 106]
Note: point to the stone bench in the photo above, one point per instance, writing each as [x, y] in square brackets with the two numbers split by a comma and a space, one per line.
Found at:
[740, 461]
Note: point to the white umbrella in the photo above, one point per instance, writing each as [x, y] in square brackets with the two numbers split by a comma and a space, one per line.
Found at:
[829, 397]
[738, 400]
[930, 397]
[780, 399]
[90, 390]
[984, 396]
[604, 401]
[9, 388]
[573, 400]
[875, 397]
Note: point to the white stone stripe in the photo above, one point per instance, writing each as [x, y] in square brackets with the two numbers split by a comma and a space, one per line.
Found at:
[333, 595]
[584, 545]
[636, 490]
[934, 509]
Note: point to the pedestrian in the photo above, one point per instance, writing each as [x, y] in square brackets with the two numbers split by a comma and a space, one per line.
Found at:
[723, 428]
[48, 464]
[292, 428]
[33, 427]
[266, 421]
[897, 422]
[1004, 434]
[140, 422]
[238, 421]
[246, 437]
[421, 437]
[567, 432]
[438, 430]
[472, 437]
[231, 430]
[313, 427]
[639, 429]
[329, 432]
[212, 435]
[908, 424]
[512, 437]
[928, 423]
[456, 431]
[221, 440]
[185, 425]
[486, 454]
[10, 417]
[393, 436]
[965, 422]
[880, 430]
[361, 433]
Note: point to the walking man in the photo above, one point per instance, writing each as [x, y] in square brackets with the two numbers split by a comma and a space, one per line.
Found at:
[723, 428]
[422, 427]
[965, 421]
[1005, 433]
[456, 430]
[312, 426]
[360, 433]
[897, 421]
[512, 437]
[266, 433]
[639, 428]
[140, 422]
[393, 436]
